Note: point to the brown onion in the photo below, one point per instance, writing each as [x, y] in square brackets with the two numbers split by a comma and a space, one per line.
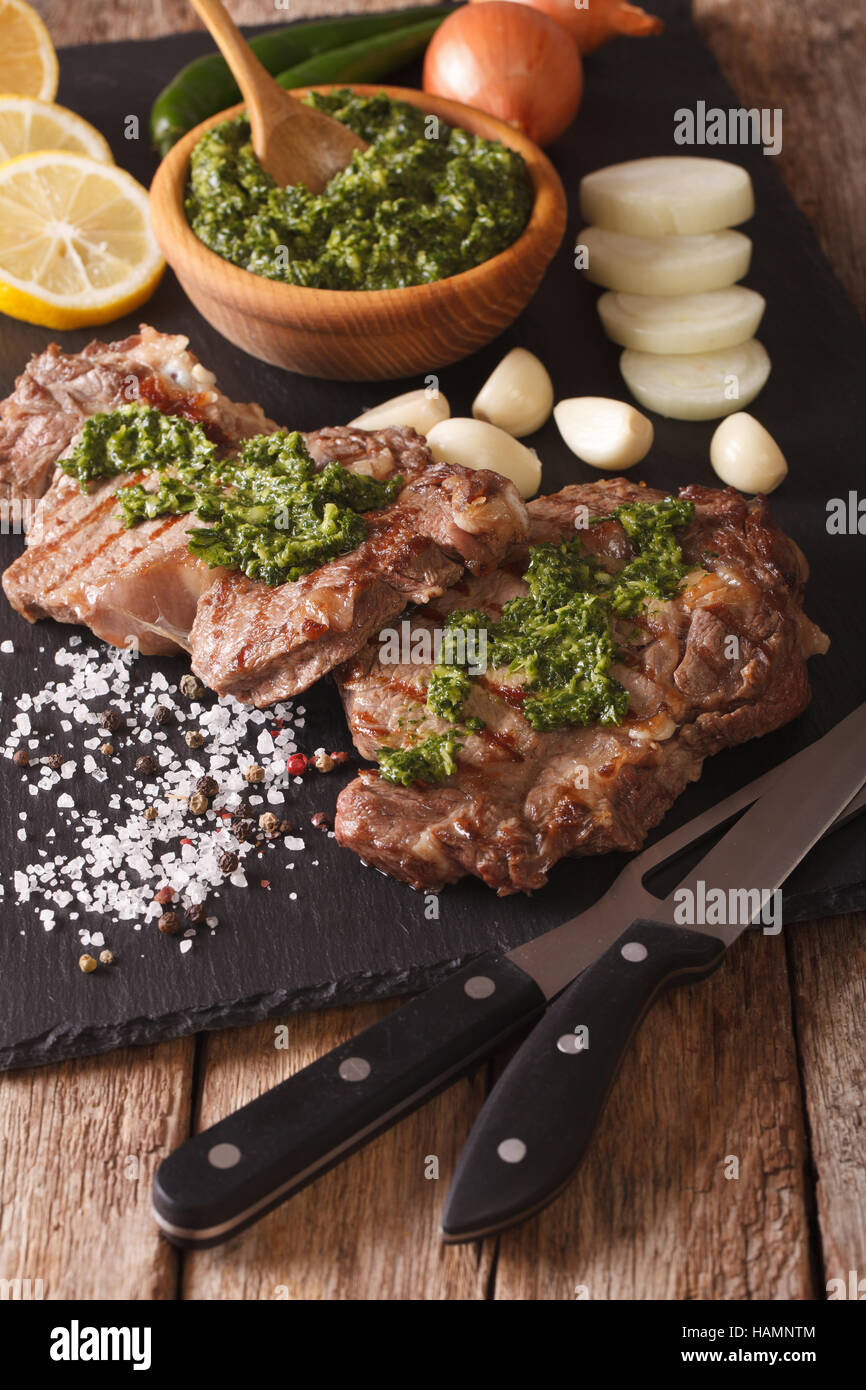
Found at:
[598, 20]
[510, 61]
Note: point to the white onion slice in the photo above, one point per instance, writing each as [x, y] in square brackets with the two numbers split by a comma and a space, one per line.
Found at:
[667, 264]
[671, 194]
[697, 386]
[676, 323]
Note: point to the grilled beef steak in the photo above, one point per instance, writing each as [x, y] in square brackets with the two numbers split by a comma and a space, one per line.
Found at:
[142, 585]
[262, 644]
[520, 799]
[57, 391]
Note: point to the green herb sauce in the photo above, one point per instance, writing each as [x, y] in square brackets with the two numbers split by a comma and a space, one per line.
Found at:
[559, 637]
[432, 760]
[271, 514]
[424, 201]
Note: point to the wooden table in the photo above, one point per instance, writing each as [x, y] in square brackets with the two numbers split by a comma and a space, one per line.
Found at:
[758, 1072]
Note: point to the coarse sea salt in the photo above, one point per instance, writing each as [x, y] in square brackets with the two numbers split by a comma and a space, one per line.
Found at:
[121, 858]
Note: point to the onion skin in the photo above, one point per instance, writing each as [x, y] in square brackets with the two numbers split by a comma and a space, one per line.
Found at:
[600, 21]
[510, 61]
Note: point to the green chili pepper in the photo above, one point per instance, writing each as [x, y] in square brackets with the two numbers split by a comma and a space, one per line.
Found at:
[206, 86]
[368, 60]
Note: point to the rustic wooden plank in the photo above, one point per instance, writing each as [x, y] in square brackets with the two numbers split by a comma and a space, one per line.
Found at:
[79, 1143]
[806, 59]
[369, 1228]
[711, 1078]
[131, 19]
[829, 973]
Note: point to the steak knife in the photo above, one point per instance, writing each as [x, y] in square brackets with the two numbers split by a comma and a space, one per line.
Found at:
[536, 1124]
[225, 1178]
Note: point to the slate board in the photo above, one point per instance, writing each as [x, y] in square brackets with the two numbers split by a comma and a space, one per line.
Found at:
[353, 934]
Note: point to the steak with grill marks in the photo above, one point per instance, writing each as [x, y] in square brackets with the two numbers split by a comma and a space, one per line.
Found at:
[520, 800]
[58, 390]
[257, 642]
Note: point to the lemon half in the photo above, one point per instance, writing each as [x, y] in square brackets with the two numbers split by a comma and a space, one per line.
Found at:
[76, 245]
[28, 124]
[28, 63]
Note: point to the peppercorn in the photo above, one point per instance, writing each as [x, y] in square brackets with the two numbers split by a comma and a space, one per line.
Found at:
[162, 715]
[243, 831]
[169, 923]
[146, 765]
[255, 773]
[106, 749]
[296, 765]
[55, 761]
[208, 786]
[164, 895]
[191, 686]
[339, 759]
[198, 803]
[106, 957]
[111, 719]
[324, 762]
[196, 913]
[151, 813]
[228, 862]
[320, 821]
[268, 823]
[21, 758]
[87, 964]
[287, 828]
[193, 738]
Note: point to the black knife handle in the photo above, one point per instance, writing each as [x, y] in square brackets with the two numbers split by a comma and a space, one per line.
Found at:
[537, 1122]
[230, 1175]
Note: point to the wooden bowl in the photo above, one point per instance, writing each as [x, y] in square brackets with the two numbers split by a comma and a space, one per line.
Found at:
[363, 334]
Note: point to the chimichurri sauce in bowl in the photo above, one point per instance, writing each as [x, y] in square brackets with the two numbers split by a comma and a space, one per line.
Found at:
[425, 201]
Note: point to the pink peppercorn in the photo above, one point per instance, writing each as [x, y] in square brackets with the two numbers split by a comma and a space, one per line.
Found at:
[296, 765]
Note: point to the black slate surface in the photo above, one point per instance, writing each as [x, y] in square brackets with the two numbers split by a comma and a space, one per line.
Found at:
[352, 934]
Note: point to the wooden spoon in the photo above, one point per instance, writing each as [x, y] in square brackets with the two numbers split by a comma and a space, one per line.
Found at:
[293, 142]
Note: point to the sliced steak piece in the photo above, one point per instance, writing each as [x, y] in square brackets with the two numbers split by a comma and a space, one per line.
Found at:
[520, 800]
[142, 585]
[57, 391]
[264, 644]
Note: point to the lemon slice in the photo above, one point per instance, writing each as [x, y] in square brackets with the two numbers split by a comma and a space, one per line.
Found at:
[27, 124]
[28, 63]
[76, 246]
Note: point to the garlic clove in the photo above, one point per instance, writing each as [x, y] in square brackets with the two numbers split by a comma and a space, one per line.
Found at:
[419, 410]
[746, 456]
[477, 444]
[605, 433]
[517, 396]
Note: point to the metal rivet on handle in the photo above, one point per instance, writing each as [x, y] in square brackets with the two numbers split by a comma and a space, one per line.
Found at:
[224, 1155]
[479, 987]
[512, 1150]
[570, 1043]
[354, 1069]
[634, 951]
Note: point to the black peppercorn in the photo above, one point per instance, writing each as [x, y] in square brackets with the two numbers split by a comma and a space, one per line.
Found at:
[169, 923]
[196, 913]
[208, 786]
[21, 758]
[228, 862]
[162, 715]
[146, 764]
[55, 761]
[111, 719]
